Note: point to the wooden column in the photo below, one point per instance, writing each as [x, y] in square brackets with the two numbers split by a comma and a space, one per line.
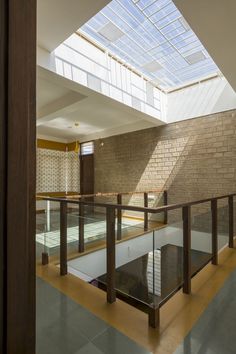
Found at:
[119, 218]
[231, 221]
[214, 231]
[165, 202]
[145, 213]
[63, 238]
[81, 228]
[187, 249]
[17, 175]
[45, 258]
[3, 165]
[154, 317]
[111, 258]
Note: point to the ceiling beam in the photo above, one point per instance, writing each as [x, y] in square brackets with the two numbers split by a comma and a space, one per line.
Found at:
[59, 107]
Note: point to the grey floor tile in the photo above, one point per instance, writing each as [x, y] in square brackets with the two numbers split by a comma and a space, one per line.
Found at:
[65, 327]
[89, 349]
[59, 339]
[113, 342]
[214, 332]
[87, 324]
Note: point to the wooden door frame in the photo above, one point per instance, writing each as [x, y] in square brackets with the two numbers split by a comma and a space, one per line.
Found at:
[81, 173]
[17, 175]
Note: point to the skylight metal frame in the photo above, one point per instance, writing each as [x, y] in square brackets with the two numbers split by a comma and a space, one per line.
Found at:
[172, 56]
[152, 58]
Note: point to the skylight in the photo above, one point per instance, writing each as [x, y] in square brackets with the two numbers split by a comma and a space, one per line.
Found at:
[153, 37]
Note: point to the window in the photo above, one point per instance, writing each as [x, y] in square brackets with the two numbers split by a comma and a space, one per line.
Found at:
[87, 148]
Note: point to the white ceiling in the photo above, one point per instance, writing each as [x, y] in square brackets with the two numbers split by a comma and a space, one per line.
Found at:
[48, 92]
[58, 19]
[62, 103]
[214, 23]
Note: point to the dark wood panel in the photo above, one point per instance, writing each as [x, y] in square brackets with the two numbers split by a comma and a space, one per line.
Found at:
[187, 249]
[63, 238]
[87, 174]
[145, 213]
[111, 255]
[3, 113]
[20, 157]
[214, 237]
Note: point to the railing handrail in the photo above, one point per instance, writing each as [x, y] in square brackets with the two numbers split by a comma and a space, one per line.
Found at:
[137, 208]
[101, 194]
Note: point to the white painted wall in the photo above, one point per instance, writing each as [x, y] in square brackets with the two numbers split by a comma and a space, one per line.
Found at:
[82, 62]
[205, 98]
[94, 264]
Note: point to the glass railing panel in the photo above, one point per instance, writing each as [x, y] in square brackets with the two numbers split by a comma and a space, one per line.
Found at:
[130, 226]
[47, 228]
[168, 258]
[133, 279]
[149, 267]
[156, 200]
[85, 226]
[223, 222]
[72, 229]
[90, 263]
[201, 236]
[93, 262]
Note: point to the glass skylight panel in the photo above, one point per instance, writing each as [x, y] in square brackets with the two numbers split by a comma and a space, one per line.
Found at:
[144, 3]
[153, 37]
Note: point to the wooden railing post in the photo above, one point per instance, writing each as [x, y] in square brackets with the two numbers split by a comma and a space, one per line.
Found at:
[119, 217]
[186, 212]
[111, 244]
[214, 231]
[165, 202]
[63, 238]
[45, 258]
[81, 227]
[145, 213]
[231, 221]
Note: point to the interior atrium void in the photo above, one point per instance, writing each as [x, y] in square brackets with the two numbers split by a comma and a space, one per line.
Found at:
[117, 177]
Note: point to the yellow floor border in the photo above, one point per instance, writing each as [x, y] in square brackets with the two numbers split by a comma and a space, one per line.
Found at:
[178, 315]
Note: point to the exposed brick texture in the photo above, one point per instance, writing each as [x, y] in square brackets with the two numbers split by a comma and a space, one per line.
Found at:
[192, 159]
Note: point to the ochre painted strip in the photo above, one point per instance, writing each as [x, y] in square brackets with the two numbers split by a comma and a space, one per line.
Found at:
[71, 146]
[51, 145]
[55, 145]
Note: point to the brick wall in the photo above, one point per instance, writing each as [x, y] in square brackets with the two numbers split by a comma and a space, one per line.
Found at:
[192, 159]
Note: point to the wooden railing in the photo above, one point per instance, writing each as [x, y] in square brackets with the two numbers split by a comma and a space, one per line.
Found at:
[119, 198]
[116, 209]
